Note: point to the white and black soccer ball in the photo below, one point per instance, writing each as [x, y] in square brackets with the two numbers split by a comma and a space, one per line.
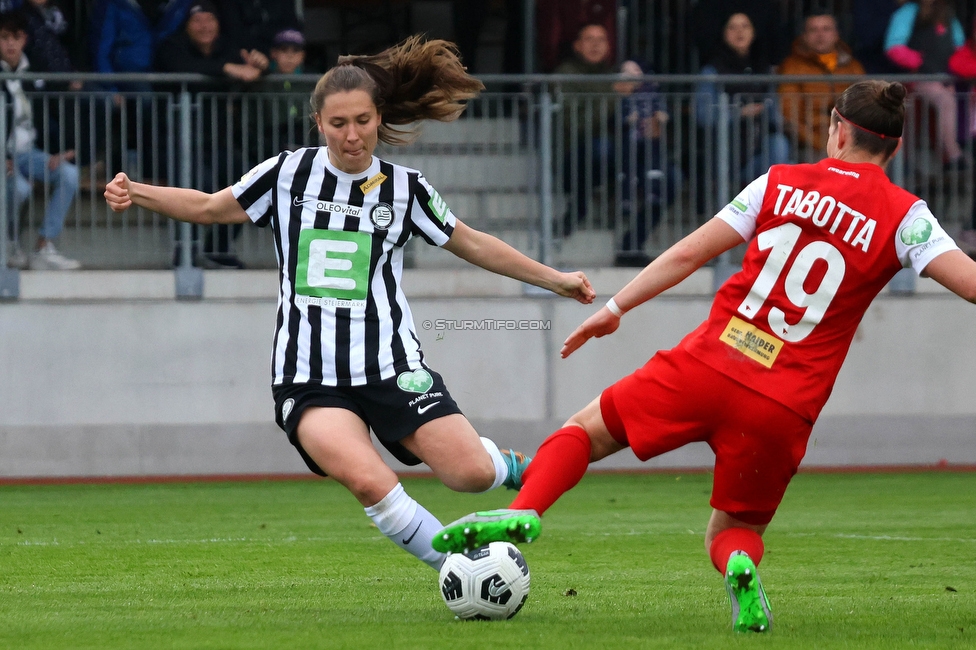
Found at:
[488, 583]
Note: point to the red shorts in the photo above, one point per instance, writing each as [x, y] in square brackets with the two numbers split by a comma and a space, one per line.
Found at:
[675, 399]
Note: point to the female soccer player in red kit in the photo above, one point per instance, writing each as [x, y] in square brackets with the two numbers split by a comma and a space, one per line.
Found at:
[751, 380]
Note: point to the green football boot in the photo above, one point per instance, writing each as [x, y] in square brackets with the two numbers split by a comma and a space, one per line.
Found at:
[750, 608]
[480, 528]
[517, 462]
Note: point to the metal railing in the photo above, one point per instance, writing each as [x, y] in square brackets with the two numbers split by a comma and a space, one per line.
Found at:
[568, 174]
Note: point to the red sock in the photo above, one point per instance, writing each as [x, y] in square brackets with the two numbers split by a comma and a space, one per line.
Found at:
[559, 465]
[735, 539]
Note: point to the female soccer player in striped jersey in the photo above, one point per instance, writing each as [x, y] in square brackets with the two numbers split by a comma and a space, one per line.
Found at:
[346, 357]
[824, 239]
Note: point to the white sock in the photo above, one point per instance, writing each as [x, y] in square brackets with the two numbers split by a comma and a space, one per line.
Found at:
[501, 467]
[408, 525]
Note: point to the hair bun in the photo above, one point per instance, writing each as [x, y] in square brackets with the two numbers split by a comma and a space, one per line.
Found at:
[894, 95]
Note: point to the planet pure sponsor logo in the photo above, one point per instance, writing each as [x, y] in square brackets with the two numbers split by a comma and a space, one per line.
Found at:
[917, 233]
[415, 381]
[424, 398]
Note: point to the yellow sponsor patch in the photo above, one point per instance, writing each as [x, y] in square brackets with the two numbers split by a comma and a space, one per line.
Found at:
[752, 341]
[372, 183]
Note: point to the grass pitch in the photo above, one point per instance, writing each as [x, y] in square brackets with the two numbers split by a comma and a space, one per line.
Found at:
[852, 561]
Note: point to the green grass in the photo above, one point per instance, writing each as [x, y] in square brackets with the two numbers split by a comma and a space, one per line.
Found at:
[852, 561]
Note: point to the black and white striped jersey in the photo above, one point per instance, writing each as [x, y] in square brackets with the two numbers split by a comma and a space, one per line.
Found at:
[343, 319]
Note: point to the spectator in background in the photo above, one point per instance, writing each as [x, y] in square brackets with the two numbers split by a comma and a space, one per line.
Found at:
[559, 23]
[199, 48]
[921, 37]
[649, 179]
[27, 163]
[588, 140]
[126, 33]
[285, 103]
[870, 22]
[709, 18]
[252, 24]
[46, 26]
[963, 64]
[807, 104]
[757, 138]
[124, 36]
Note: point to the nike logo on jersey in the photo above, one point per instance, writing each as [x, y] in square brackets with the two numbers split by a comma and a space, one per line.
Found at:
[413, 534]
[423, 409]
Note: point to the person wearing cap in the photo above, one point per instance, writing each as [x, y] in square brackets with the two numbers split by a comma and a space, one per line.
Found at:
[285, 102]
[200, 48]
[288, 52]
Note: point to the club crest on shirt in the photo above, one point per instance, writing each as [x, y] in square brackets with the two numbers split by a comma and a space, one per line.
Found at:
[381, 215]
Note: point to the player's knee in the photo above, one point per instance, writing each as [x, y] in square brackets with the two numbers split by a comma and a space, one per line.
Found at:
[470, 476]
[367, 489]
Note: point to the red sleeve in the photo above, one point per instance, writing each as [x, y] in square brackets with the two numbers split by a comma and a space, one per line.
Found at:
[963, 62]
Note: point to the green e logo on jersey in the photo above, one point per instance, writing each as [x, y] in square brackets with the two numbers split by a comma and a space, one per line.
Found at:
[333, 264]
[438, 205]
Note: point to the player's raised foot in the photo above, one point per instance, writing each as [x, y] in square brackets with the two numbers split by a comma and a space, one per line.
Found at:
[750, 608]
[480, 528]
[517, 462]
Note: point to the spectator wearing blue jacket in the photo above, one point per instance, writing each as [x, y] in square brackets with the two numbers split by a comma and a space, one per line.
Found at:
[125, 33]
[124, 38]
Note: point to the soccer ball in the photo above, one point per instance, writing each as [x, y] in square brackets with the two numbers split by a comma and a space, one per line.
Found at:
[488, 583]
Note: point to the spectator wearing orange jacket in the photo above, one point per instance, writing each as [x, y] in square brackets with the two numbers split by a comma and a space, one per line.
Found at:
[806, 105]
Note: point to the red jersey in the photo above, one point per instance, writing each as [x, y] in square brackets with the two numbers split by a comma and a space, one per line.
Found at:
[828, 238]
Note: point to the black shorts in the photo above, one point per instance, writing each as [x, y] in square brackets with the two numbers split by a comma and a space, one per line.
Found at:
[393, 408]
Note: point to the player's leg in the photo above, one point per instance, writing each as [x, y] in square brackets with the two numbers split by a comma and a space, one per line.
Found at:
[556, 468]
[337, 441]
[414, 416]
[736, 548]
[758, 446]
[461, 459]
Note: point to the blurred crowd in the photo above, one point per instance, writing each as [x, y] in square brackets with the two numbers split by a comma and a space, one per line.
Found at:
[237, 43]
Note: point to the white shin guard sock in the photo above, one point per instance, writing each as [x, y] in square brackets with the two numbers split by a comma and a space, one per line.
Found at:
[408, 525]
[501, 467]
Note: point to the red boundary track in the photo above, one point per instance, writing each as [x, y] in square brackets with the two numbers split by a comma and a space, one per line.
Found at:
[941, 466]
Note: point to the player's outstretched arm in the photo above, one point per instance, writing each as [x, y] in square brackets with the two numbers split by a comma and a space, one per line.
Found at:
[955, 271]
[599, 324]
[677, 263]
[176, 202]
[492, 254]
